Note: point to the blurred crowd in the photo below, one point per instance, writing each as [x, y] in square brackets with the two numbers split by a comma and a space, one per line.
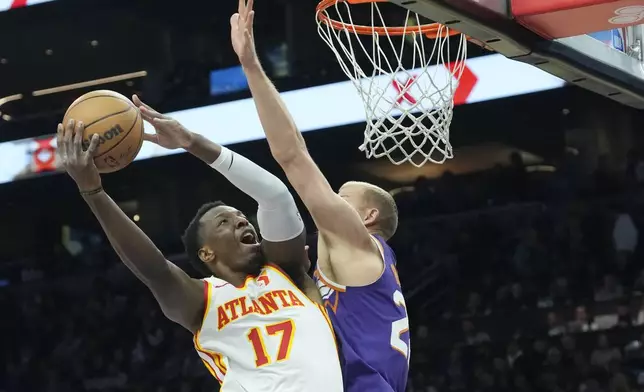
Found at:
[526, 280]
[516, 280]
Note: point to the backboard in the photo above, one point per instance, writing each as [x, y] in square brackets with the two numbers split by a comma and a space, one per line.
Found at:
[557, 36]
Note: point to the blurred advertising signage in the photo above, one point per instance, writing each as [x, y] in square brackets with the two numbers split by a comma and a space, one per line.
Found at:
[227, 80]
[313, 108]
[11, 4]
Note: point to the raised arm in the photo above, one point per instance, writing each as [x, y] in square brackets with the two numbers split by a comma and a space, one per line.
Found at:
[279, 221]
[354, 256]
[181, 298]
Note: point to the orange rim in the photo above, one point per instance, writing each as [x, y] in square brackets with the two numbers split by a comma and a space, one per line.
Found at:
[429, 30]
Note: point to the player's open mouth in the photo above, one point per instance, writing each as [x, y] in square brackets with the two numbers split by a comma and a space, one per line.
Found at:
[248, 238]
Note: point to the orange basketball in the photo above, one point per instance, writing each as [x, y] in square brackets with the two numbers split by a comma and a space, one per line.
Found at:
[118, 123]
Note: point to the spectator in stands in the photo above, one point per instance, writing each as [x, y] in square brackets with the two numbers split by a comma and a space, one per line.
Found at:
[475, 306]
[590, 385]
[619, 383]
[552, 376]
[582, 322]
[559, 291]
[555, 326]
[518, 299]
[625, 240]
[624, 318]
[638, 285]
[521, 383]
[501, 373]
[515, 358]
[639, 320]
[610, 289]
[455, 370]
[569, 346]
[421, 339]
[472, 336]
[603, 355]
[529, 255]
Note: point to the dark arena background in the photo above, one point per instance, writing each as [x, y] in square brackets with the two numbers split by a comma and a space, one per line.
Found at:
[520, 259]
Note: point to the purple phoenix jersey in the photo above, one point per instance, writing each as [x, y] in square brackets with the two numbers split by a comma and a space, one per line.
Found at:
[373, 329]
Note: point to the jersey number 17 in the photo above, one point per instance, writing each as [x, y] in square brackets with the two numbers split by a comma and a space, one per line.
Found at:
[285, 330]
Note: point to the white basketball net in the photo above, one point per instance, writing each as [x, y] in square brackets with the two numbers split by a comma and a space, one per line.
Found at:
[408, 111]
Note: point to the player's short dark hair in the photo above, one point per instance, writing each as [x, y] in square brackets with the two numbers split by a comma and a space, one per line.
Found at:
[192, 240]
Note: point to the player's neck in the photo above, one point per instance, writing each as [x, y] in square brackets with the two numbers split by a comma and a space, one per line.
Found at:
[238, 279]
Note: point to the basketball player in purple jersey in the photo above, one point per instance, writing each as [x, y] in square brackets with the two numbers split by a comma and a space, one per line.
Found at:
[356, 268]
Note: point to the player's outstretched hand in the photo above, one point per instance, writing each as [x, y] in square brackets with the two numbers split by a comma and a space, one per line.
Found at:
[241, 33]
[78, 163]
[169, 133]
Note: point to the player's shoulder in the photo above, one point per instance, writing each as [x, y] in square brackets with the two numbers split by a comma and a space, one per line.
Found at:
[274, 273]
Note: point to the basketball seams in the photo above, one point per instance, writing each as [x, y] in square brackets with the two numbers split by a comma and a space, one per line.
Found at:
[138, 114]
[108, 116]
[140, 143]
[99, 96]
[118, 114]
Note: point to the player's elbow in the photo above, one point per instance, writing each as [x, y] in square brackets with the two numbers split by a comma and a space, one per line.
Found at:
[286, 153]
[290, 157]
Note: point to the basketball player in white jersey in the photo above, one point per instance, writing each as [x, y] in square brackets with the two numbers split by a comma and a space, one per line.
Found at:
[254, 329]
[356, 268]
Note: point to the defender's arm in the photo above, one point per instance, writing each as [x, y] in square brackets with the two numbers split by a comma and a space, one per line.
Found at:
[355, 258]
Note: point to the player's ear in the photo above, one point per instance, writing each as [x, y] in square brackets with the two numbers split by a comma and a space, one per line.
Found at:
[371, 216]
[206, 254]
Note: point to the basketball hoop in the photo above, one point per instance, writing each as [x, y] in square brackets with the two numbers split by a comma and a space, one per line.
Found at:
[407, 91]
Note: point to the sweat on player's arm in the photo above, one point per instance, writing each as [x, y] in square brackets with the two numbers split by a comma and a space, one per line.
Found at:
[278, 218]
[180, 297]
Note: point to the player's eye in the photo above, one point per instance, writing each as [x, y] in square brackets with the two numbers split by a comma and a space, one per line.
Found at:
[223, 221]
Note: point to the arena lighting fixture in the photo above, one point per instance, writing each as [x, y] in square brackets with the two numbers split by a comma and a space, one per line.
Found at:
[6, 99]
[89, 83]
[10, 98]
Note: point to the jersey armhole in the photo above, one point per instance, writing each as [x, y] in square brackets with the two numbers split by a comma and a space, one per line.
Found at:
[341, 288]
[207, 292]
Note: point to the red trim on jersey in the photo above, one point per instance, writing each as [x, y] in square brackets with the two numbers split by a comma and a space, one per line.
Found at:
[206, 302]
[206, 297]
[211, 370]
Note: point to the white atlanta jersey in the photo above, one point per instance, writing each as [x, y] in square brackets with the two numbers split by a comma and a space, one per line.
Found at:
[267, 336]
